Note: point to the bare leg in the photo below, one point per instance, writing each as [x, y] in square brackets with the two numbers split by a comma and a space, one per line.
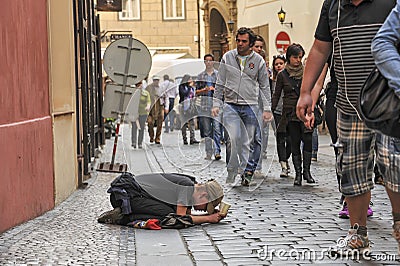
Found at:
[394, 200]
[358, 207]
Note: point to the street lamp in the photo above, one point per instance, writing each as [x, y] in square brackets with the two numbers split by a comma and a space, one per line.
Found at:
[282, 16]
[230, 23]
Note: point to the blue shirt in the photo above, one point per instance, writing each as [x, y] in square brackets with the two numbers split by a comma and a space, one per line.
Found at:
[384, 49]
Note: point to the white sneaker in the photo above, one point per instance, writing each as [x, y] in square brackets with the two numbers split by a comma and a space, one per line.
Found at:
[258, 174]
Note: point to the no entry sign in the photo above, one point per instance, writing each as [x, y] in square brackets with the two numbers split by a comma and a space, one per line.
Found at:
[282, 41]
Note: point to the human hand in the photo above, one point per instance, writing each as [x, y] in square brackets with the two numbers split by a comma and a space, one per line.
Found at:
[215, 218]
[304, 106]
[166, 111]
[309, 123]
[211, 88]
[267, 116]
[215, 111]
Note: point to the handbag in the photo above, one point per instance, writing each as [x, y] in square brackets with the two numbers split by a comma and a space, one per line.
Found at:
[317, 116]
[379, 105]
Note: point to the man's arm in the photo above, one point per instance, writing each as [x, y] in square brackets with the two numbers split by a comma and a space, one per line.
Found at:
[385, 51]
[199, 219]
[263, 81]
[315, 92]
[315, 62]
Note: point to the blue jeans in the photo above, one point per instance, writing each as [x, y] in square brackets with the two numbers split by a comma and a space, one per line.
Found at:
[217, 132]
[315, 140]
[240, 122]
[206, 123]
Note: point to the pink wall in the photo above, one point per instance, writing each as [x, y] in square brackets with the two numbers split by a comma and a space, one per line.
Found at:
[26, 149]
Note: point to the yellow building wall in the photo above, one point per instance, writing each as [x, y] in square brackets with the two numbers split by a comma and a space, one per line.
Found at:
[155, 32]
[62, 96]
[303, 14]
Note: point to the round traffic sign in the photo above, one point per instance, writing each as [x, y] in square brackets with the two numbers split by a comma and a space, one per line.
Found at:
[282, 41]
[127, 58]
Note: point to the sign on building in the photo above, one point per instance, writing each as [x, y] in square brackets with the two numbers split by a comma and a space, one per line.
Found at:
[109, 5]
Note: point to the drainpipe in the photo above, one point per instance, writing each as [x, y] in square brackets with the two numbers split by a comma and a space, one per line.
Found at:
[198, 28]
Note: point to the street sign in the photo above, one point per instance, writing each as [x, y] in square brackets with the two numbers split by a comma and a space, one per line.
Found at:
[282, 42]
[116, 36]
[127, 61]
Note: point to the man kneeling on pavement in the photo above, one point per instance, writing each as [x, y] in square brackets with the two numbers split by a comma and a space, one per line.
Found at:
[157, 195]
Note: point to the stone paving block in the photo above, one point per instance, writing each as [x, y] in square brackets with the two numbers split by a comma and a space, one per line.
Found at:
[274, 214]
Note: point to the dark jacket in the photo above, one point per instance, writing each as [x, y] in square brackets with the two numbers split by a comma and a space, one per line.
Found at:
[290, 98]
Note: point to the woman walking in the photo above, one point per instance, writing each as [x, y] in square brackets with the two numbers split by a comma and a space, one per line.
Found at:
[283, 143]
[289, 81]
[186, 95]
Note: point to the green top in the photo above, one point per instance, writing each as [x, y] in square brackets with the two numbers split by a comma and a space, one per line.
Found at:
[144, 102]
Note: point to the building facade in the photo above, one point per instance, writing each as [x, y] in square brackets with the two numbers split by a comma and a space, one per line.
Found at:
[165, 26]
[48, 104]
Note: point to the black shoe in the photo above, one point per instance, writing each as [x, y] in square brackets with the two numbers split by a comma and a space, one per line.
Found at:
[111, 217]
[134, 146]
[158, 142]
[185, 142]
[195, 141]
[151, 140]
[217, 157]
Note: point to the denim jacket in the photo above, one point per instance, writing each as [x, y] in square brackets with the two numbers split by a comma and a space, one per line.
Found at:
[385, 49]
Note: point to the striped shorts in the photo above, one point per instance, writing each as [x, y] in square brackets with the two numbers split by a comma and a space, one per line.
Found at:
[355, 160]
[388, 160]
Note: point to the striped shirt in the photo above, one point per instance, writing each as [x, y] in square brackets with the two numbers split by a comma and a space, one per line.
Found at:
[351, 39]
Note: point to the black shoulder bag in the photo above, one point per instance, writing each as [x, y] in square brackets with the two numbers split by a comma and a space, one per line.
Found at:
[296, 88]
[379, 105]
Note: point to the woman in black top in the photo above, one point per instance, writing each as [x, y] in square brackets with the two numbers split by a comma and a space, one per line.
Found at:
[289, 81]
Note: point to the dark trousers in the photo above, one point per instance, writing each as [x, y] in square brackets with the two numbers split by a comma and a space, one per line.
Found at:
[144, 207]
[297, 134]
[283, 142]
[142, 124]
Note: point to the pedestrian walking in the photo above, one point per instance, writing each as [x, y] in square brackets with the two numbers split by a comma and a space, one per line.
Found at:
[241, 74]
[283, 143]
[340, 23]
[187, 108]
[140, 123]
[262, 130]
[288, 82]
[205, 86]
[159, 106]
[171, 90]
[385, 47]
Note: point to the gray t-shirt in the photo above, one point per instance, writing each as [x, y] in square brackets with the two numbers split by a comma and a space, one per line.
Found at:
[171, 188]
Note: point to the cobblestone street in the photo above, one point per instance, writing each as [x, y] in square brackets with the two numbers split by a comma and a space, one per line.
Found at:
[270, 223]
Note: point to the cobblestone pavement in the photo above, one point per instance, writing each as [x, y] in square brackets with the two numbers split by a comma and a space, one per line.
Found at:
[270, 223]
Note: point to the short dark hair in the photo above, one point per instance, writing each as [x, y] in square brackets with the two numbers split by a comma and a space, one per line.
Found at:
[208, 55]
[250, 32]
[294, 49]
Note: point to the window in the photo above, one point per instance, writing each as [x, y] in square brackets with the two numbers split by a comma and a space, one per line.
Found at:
[130, 10]
[173, 9]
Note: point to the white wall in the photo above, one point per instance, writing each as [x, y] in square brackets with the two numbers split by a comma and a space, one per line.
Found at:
[303, 14]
